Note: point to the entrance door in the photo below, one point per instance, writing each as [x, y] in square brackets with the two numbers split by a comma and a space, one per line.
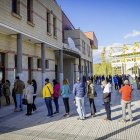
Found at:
[30, 68]
[2, 66]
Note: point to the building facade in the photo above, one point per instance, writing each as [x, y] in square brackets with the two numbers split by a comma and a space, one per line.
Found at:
[37, 40]
[127, 60]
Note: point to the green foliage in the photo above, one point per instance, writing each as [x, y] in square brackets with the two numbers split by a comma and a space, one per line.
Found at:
[102, 69]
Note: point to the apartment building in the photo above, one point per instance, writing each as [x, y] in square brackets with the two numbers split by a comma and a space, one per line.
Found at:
[37, 40]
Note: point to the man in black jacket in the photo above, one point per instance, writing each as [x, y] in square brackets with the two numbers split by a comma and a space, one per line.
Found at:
[107, 98]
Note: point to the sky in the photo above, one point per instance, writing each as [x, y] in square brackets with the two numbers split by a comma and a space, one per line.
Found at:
[113, 21]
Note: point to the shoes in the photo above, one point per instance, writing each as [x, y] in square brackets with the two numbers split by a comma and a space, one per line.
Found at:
[18, 110]
[123, 120]
[131, 119]
[107, 119]
[50, 116]
[28, 114]
[93, 115]
[65, 115]
[81, 119]
[56, 112]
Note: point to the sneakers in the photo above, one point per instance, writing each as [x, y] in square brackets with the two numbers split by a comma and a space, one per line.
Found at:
[81, 119]
[55, 112]
[93, 115]
[131, 120]
[66, 115]
[123, 120]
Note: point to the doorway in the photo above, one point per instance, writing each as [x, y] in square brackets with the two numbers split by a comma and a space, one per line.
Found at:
[2, 67]
[30, 68]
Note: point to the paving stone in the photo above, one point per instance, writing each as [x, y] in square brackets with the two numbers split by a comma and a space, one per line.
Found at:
[17, 126]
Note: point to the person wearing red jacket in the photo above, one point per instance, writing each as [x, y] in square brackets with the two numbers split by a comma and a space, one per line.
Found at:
[126, 92]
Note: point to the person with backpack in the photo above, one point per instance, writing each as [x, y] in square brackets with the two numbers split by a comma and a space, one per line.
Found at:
[91, 94]
[47, 95]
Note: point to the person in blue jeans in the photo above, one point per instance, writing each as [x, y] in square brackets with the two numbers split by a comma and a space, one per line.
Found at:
[79, 90]
[19, 87]
[47, 95]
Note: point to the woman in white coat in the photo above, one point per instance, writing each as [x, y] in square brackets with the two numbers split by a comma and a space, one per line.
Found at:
[29, 97]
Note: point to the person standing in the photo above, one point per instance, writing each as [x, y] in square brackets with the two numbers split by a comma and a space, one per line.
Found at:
[115, 82]
[29, 96]
[120, 81]
[47, 95]
[34, 84]
[79, 90]
[107, 98]
[19, 87]
[6, 91]
[56, 89]
[14, 98]
[0, 92]
[91, 93]
[65, 95]
[126, 92]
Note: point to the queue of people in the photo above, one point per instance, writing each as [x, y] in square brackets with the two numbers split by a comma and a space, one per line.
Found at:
[51, 93]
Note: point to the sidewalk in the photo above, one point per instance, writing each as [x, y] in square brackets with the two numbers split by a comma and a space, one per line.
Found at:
[17, 126]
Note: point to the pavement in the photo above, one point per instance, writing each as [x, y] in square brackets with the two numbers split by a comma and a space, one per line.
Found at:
[17, 126]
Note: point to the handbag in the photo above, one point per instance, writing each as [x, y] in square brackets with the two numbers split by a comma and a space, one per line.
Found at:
[50, 93]
[95, 93]
[24, 101]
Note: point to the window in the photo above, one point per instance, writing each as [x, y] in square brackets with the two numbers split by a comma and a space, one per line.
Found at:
[83, 47]
[16, 6]
[38, 63]
[48, 22]
[30, 11]
[54, 27]
[47, 64]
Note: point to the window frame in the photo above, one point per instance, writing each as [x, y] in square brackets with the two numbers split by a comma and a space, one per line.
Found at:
[54, 26]
[30, 11]
[48, 20]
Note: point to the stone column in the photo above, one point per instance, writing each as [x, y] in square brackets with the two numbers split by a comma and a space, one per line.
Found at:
[80, 68]
[61, 67]
[43, 64]
[91, 65]
[19, 55]
[88, 69]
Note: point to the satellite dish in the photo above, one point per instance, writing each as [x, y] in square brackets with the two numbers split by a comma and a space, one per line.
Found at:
[71, 42]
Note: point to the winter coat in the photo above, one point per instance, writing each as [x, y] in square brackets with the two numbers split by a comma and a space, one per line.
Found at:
[6, 89]
[107, 93]
[79, 89]
[47, 90]
[35, 89]
[65, 91]
[56, 90]
[19, 87]
[29, 94]
[90, 91]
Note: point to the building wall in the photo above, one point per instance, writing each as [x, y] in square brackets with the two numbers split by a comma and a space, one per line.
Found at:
[9, 48]
[39, 30]
[78, 36]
